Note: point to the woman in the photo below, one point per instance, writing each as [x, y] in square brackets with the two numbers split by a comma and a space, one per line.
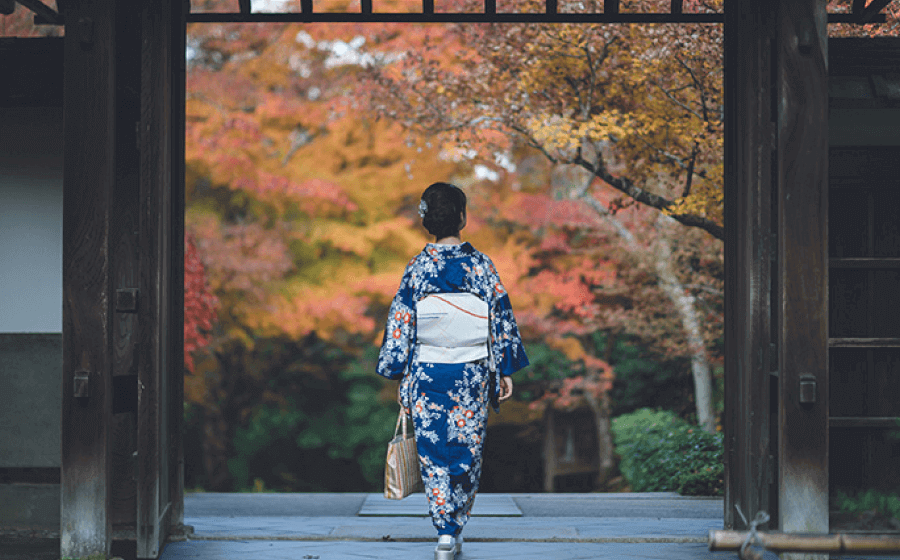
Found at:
[449, 376]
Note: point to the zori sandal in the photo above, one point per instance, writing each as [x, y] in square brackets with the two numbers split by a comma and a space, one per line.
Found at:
[446, 548]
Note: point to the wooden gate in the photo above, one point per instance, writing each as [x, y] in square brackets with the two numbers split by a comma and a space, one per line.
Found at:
[123, 262]
[776, 283]
[122, 275]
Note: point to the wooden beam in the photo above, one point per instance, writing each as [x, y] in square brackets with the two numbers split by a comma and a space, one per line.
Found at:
[749, 246]
[124, 249]
[43, 11]
[176, 289]
[365, 6]
[427, 6]
[883, 422]
[871, 11]
[801, 48]
[864, 342]
[309, 16]
[490, 6]
[88, 183]
[865, 263]
[156, 362]
[551, 6]
[611, 6]
[677, 6]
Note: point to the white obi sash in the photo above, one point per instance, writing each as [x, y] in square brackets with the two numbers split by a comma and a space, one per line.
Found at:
[452, 328]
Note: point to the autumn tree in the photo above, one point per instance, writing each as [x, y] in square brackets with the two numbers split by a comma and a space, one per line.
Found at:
[647, 99]
[304, 212]
[200, 305]
[637, 108]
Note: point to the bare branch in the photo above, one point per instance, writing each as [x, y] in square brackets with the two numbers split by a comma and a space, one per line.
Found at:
[677, 102]
[707, 289]
[625, 185]
[690, 170]
[702, 90]
[680, 161]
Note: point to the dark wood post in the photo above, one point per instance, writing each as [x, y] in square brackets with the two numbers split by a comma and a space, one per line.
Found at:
[176, 291]
[156, 364]
[802, 86]
[749, 246]
[776, 160]
[89, 180]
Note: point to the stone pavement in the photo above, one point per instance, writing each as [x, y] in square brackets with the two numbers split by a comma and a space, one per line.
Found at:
[521, 526]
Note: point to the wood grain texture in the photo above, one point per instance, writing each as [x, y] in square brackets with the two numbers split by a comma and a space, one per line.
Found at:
[88, 183]
[125, 270]
[748, 255]
[176, 290]
[155, 277]
[802, 82]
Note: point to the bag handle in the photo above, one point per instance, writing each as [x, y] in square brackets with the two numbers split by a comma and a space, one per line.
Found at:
[401, 420]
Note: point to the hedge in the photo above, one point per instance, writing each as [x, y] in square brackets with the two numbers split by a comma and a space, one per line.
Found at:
[661, 452]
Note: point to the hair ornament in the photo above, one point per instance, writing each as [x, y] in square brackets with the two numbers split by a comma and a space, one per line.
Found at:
[423, 208]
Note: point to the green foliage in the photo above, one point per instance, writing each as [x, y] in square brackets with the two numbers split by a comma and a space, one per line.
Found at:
[661, 452]
[344, 424]
[643, 378]
[871, 500]
[547, 364]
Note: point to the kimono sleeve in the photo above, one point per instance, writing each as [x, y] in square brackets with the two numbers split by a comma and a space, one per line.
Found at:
[399, 332]
[506, 346]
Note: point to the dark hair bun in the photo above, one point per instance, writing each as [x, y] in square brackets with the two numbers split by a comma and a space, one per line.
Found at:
[446, 203]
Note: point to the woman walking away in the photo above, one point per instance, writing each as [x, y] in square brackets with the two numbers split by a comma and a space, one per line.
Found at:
[452, 341]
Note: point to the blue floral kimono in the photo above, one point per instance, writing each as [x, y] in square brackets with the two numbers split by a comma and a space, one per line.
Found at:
[448, 402]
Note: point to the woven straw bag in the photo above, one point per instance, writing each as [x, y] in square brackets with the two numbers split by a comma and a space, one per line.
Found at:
[402, 476]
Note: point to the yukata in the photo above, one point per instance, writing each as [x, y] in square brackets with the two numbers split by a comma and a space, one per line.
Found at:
[449, 402]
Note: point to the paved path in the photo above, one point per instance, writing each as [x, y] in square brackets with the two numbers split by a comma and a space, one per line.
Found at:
[544, 527]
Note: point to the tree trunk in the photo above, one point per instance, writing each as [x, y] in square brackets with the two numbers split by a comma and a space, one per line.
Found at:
[600, 407]
[690, 322]
[684, 304]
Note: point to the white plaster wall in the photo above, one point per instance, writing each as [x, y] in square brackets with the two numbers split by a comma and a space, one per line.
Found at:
[31, 208]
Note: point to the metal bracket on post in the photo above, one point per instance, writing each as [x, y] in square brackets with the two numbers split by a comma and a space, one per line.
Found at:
[81, 384]
[807, 389]
[127, 300]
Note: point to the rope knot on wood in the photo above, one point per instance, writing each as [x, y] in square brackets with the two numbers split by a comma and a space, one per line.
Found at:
[746, 552]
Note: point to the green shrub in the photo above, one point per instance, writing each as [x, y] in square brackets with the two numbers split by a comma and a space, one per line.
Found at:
[660, 452]
[870, 500]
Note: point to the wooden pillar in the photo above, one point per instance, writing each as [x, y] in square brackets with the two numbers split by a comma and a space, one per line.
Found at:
[124, 250]
[749, 246]
[88, 182]
[178, 24]
[802, 86]
[158, 319]
[776, 162]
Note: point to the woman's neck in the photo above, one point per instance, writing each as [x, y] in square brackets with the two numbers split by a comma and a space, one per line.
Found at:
[452, 240]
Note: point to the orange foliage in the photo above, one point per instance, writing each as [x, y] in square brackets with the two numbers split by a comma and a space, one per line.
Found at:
[199, 304]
